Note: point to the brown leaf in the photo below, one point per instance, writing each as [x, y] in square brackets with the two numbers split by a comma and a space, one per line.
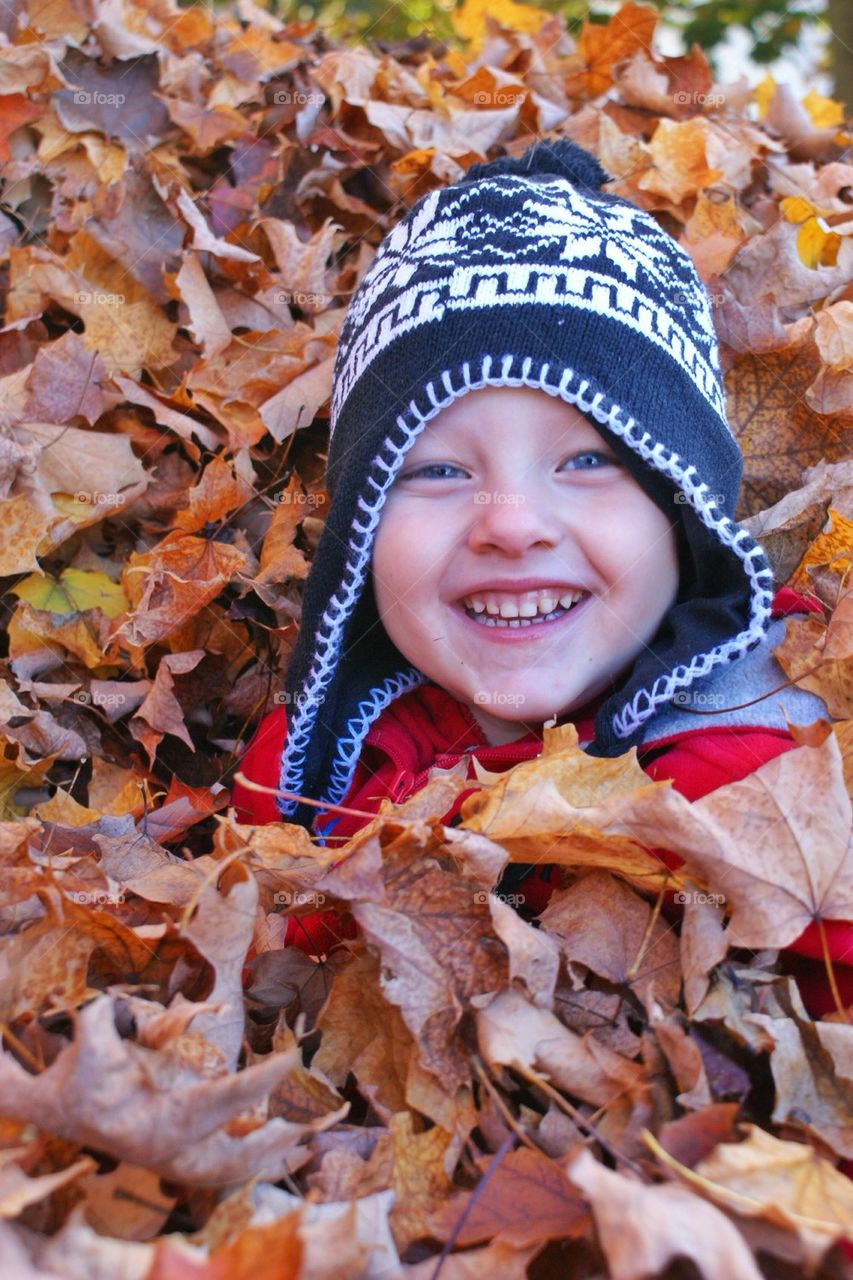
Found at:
[777, 432]
[363, 1033]
[17, 1190]
[160, 712]
[774, 846]
[119, 102]
[140, 1105]
[602, 924]
[437, 951]
[526, 1201]
[64, 379]
[15, 110]
[803, 657]
[692, 1137]
[420, 1181]
[208, 325]
[476, 1264]
[170, 584]
[812, 1073]
[533, 955]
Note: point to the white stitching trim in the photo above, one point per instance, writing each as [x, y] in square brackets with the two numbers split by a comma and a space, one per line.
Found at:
[349, 747]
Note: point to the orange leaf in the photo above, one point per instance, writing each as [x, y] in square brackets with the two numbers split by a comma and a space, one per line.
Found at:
[604, 45]
[15, 110]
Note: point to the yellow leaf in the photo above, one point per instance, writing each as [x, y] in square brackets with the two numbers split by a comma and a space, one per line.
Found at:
[16, 772]
[796, 209]
[823, 112]
[817, 244]
[75, 591]
[762, 93]
[31, 628]
[470, 19]
[64, 809]
[832, 546]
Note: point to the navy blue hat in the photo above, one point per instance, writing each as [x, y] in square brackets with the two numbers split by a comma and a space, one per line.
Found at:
[524, 273]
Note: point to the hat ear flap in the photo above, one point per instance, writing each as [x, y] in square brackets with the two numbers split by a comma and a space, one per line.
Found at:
[559, 157]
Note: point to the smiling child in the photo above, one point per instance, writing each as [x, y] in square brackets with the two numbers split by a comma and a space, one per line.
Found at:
[532, 491]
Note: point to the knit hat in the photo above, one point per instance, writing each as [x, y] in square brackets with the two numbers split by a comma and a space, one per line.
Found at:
[523, 273]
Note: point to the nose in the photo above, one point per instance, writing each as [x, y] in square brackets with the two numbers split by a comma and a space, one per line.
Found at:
[512, 522]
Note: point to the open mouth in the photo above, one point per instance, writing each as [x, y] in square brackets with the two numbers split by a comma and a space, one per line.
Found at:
[491, 620]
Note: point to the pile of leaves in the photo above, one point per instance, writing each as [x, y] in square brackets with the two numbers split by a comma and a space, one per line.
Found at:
[188, 201]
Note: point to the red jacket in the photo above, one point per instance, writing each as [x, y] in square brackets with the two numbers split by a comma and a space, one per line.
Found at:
[428, 727]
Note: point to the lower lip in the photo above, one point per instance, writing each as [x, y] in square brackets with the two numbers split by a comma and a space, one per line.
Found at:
[518, 635]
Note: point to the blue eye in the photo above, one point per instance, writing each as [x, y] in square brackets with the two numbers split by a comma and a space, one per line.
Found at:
[592, 453]
[431, 466]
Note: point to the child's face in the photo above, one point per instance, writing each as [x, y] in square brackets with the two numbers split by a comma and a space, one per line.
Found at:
[512, 494]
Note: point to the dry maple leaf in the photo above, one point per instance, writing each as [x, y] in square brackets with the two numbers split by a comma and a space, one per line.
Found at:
[545, 810]
[514, 1033]
[776, 846]
[778, 433]
[139, 1105]
[784, 1182]
[643, 1228]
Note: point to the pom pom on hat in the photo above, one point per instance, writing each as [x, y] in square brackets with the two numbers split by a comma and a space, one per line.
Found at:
[559, 158]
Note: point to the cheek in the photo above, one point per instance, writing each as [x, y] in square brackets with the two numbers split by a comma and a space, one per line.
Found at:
[398, 560]
[640, 551]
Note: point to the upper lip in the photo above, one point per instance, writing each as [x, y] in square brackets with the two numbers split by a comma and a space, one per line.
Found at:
[521, 585]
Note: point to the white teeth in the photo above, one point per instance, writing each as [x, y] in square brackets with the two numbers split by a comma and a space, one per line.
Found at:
[526, 613]
[510, 609]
